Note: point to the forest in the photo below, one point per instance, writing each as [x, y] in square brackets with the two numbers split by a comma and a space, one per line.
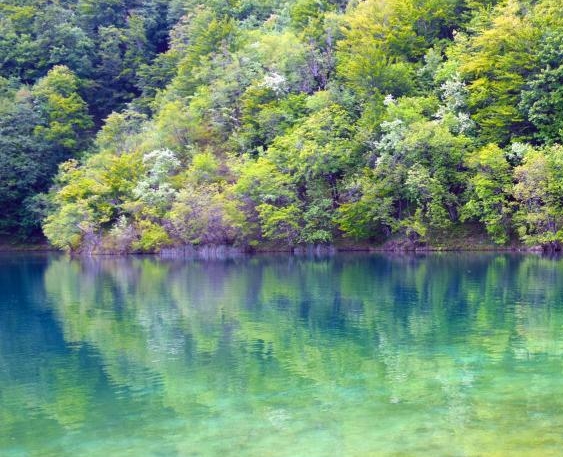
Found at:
[138, 125]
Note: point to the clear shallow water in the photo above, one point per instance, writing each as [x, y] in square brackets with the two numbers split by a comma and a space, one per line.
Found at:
[352, 356]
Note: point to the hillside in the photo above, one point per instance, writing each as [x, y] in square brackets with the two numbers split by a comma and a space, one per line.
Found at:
[133, 126]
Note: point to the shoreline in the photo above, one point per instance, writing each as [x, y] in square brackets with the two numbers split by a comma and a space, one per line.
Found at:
[227, 251]
[28, 248]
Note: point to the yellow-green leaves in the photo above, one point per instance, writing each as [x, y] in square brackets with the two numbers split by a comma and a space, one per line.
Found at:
[65, 111]
[497, 62]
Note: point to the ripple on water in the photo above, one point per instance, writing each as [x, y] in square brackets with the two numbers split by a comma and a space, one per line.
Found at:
[352, 356]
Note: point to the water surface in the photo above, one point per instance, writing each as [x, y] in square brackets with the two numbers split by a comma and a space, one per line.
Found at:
[352, 356]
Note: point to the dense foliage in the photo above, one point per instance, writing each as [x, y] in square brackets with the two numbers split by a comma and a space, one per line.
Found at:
[290, 122]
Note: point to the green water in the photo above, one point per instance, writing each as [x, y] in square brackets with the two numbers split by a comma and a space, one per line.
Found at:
[352, 356]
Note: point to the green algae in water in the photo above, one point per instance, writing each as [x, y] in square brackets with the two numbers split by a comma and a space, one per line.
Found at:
[352, 356]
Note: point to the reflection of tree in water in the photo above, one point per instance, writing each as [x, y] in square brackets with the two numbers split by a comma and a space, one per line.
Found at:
[345, 336]
[34, 376]
[433, 294]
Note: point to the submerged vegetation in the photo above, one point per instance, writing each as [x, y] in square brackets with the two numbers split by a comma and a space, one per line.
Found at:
[138, 125]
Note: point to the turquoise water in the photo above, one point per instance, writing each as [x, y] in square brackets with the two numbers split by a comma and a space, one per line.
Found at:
[352, 356]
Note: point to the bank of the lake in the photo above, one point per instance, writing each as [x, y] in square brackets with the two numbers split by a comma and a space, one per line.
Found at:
[465, 238]
[26, 247]
[398, 245]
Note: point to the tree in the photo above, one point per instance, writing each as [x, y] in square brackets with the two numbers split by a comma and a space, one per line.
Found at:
[489, 192]
[201, 35]
[65, 112]
[497, 61]
[538, 190]
[153, 191]
[382, 39]
[27, 162]
[311, 159]
[542, 100]
[373, 56]
[90, 198]
[39, 129]
[203, 215]
[416, 178]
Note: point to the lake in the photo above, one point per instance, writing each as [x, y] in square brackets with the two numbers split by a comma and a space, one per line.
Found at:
[276, 356]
